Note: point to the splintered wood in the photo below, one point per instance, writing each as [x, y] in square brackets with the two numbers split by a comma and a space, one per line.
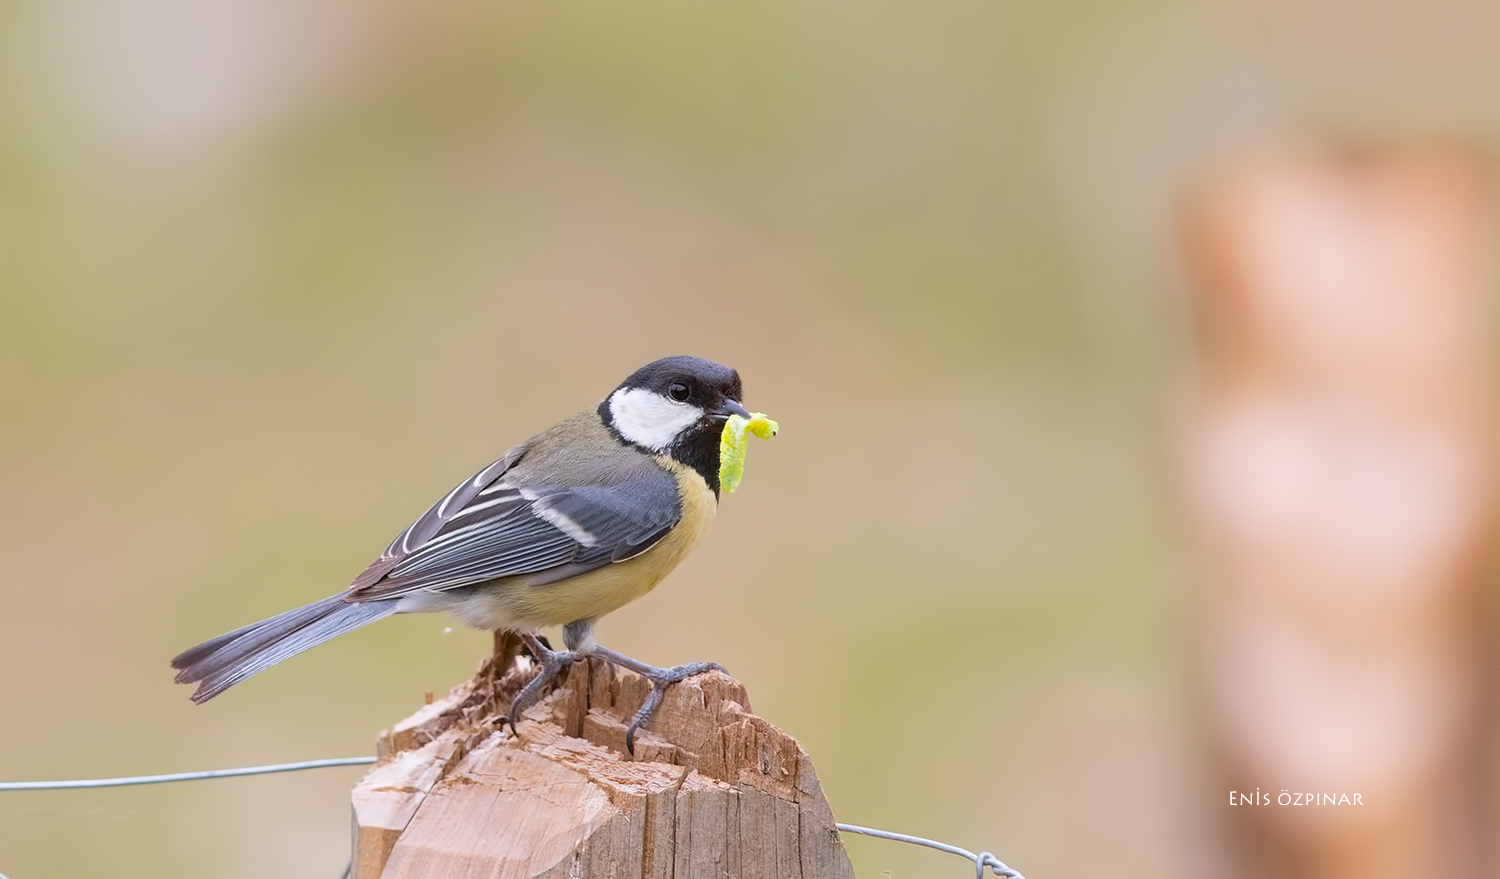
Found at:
[714, 791]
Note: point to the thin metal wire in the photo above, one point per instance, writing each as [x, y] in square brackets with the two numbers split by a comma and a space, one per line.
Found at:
[981, 860]
[183, 776]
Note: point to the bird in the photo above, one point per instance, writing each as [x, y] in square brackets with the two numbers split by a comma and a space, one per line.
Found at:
[566, 527]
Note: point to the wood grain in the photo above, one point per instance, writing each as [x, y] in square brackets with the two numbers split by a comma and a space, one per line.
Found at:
[714, 791]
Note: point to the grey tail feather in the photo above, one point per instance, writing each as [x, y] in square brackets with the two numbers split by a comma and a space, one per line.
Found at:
[220, 663]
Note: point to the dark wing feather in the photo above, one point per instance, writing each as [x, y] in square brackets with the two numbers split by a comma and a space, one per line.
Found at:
[432, 521]
[549, 531]
[624, 524]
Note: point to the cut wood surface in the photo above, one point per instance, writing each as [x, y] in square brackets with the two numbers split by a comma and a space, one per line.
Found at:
[713, 791]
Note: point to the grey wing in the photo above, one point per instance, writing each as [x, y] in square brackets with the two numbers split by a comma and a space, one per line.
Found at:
[437, 516]
[550, 532]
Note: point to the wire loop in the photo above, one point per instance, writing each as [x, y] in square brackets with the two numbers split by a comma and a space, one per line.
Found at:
[981, 860]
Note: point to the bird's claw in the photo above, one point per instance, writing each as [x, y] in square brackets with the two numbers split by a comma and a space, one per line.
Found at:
[661, 679]
[552, 663]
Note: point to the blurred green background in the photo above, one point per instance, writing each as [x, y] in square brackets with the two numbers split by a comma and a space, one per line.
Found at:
[274, 275]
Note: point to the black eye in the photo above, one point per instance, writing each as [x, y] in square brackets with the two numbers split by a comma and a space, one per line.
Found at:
[679, 392]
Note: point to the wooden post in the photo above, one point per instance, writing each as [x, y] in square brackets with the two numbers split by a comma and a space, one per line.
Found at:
[714, 791]
[1340, 466]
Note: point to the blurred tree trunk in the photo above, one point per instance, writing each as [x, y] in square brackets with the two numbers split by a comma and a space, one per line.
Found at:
[1338, 467]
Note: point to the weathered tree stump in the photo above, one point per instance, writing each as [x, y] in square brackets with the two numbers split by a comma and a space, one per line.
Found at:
[713, 792]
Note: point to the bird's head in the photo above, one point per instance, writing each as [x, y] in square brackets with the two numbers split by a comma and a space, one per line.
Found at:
[674, 402]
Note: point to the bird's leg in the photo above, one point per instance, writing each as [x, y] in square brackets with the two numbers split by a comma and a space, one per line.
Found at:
[660, 679]
[552, 662]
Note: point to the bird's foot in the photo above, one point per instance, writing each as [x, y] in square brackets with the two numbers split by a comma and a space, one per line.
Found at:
[660, 679]
[552, 663]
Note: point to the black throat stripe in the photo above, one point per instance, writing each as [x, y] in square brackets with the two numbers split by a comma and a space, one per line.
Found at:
[698, 448]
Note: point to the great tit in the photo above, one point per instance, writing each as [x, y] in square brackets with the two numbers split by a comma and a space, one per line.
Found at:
[566, 527]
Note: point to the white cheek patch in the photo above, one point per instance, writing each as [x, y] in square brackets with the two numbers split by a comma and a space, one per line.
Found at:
[649, 419]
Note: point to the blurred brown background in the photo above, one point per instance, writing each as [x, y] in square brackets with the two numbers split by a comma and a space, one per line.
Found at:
[274, 275]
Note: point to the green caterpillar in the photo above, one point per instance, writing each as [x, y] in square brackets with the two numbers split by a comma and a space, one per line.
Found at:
[732, 445]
